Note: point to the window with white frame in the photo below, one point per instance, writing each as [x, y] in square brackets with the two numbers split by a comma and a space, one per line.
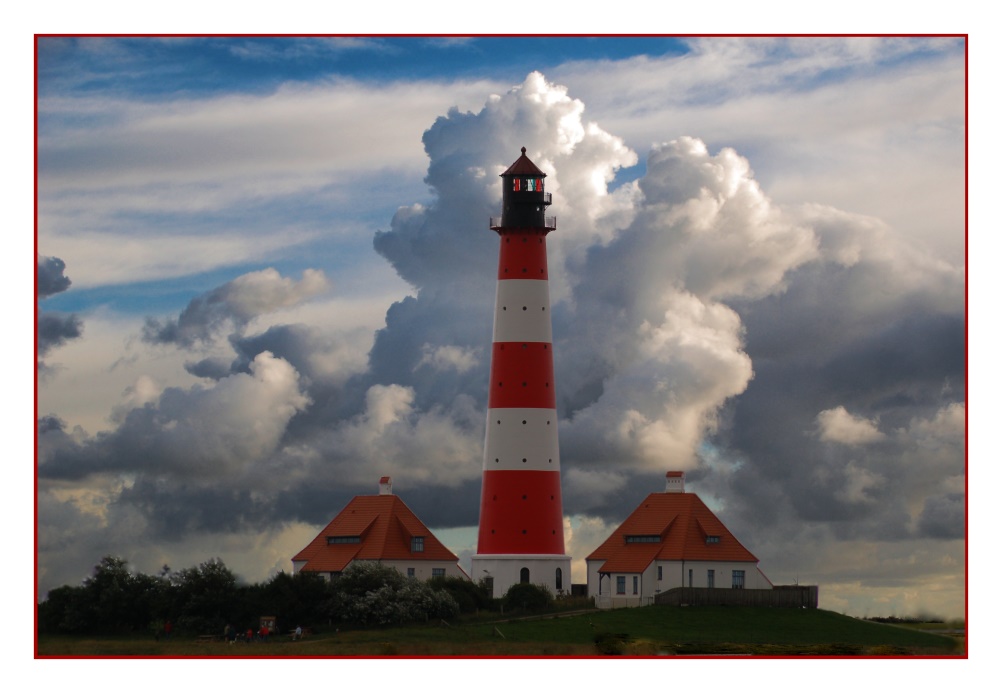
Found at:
[635, 585]
[417, 544]
[711, 578]
[739, 579]
[437, 572]
[620, 582]
[411, 572]
[659, 573]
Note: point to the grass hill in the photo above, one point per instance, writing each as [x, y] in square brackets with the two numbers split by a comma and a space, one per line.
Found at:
[643, 631]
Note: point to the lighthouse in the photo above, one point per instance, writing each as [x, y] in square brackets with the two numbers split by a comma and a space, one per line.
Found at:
[520, 514]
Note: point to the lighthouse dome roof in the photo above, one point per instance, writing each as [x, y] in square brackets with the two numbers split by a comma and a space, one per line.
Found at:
[523, 166]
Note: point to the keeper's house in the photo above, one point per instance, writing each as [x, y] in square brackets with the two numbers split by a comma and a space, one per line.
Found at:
[378, 528]
[671, 540]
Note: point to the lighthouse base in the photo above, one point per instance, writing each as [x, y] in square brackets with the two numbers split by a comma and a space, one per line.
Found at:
[504, 570]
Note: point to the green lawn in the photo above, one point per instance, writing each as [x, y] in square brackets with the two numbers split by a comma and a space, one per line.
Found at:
[643, 631]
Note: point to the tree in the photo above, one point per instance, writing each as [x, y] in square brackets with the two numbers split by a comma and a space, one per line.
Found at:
[113, 599]
[52, 613]
[206, 597]
[294, 599]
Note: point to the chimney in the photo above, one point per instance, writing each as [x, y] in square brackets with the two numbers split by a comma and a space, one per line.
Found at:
[385, 485]
[675, 482]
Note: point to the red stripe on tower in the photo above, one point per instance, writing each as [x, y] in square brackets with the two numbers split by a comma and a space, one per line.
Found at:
[520, 518]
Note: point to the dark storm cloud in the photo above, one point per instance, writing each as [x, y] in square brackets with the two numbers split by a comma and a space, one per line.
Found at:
[444, 507]
[210, 368]
[943, 517]
[174, 509]
[55, 329]
[412, 324]
[903, 362]
[51, 279]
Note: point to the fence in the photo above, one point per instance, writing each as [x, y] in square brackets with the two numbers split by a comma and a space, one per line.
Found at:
[609, 602]
[780, 596]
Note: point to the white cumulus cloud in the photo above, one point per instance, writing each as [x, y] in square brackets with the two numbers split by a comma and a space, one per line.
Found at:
[838, 425]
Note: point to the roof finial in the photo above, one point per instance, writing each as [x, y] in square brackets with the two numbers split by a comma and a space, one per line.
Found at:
[523, 151]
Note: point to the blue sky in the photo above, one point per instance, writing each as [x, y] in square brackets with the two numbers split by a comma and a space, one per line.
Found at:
[259, 64]
[280, 268]
[144, 70]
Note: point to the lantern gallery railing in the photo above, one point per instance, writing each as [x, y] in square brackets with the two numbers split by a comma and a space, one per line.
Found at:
[495, 222]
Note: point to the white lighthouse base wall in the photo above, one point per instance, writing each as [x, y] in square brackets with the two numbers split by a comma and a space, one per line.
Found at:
[549, 570]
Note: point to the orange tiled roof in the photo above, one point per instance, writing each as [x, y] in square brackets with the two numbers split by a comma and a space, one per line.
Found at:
[682, 522]
[385, 525]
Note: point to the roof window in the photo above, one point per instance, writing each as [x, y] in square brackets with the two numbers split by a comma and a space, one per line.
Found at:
[343, 539]
[629, 539]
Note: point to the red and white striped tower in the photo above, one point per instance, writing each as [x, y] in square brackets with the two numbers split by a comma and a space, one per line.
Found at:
[520, 515]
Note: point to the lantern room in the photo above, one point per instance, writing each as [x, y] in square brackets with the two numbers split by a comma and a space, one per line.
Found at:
[524, 196]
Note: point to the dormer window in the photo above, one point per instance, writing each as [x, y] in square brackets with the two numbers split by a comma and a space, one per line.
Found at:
[711, 539]
[417, 544]
[343, 539]
[629, 539]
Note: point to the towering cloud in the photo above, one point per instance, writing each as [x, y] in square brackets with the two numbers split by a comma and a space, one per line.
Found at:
[805, 364]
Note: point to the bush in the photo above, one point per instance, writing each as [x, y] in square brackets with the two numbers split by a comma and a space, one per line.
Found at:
[527, 597]
[369, 593]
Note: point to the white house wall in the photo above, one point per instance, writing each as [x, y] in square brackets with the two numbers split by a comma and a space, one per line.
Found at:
[422, 569]
[675, 575]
